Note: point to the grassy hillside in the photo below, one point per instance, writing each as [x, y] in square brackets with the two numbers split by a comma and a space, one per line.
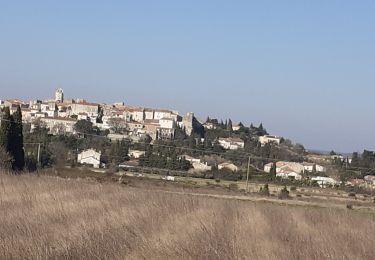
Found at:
[48, 217]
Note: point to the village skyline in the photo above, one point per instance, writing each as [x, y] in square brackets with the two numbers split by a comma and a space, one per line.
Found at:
[201, 116]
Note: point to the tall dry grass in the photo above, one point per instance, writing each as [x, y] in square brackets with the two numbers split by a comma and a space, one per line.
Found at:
[50, 218]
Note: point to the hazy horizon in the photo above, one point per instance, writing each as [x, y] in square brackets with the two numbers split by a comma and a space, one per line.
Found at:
[302, 69]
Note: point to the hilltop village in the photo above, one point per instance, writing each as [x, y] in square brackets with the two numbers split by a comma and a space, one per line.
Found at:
[79, 132]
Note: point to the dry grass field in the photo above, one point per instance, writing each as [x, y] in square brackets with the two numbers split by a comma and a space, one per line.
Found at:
[54, 218]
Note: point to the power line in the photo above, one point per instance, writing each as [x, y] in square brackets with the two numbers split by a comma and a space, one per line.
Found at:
[226, 154]
[175, 147]
[184, 148]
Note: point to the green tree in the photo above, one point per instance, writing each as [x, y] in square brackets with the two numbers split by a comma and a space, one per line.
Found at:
[284, 193]
[119, 152]
[264, 190]
[83, 127]
[17, 141]
[145, 160]
[355, 160]
[5, 130]
[273, 170]
[6, 160]
[230, 126]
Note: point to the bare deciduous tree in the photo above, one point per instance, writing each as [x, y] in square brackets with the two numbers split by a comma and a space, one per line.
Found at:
[58, 129]
[117, 124]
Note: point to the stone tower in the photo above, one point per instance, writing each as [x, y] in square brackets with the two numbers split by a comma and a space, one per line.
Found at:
[188, 122]
[59, 95]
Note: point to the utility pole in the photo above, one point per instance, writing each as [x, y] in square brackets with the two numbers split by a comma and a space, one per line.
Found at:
[247, 175]
[346, 163]
[38, 154]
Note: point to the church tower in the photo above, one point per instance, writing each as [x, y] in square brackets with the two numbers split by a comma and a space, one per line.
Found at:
[59, 96]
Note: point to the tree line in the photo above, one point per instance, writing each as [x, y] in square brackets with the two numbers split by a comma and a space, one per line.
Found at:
[11, 140]
[164, 159]
[366, 159]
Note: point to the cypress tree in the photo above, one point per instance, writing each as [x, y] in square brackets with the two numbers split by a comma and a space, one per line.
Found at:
[17, 141]
[123, 150]
[5, 130]
[273, 170]
[229, 126]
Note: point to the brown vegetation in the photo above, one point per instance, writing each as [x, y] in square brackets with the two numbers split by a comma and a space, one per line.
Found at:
[49, 217]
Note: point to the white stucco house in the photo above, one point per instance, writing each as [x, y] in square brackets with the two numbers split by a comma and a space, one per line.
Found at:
[51, 113]
[282, 166]
[296, 167]
[236, 127]
[309, 167]
[209, 125]
[90, 157]
[190, 159]
[201, 167]
[229, 166]
[91, 109]
[265, 139]
[162, 113]
[268, 167]
[66, 123]
[166, 123]
[320, 168]
[232, 143]
[324, 182]
[287, 173]
[136, 154]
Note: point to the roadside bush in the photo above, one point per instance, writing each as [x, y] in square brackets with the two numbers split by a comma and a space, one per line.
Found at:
[73, 164]
[233, 187]
[293, 188]
[284, 193]
[112, 170]
[226, 174]
[30, 164]
[264, 191]
[6, 160]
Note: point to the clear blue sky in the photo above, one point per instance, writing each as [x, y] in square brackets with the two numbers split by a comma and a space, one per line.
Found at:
[306, 69]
